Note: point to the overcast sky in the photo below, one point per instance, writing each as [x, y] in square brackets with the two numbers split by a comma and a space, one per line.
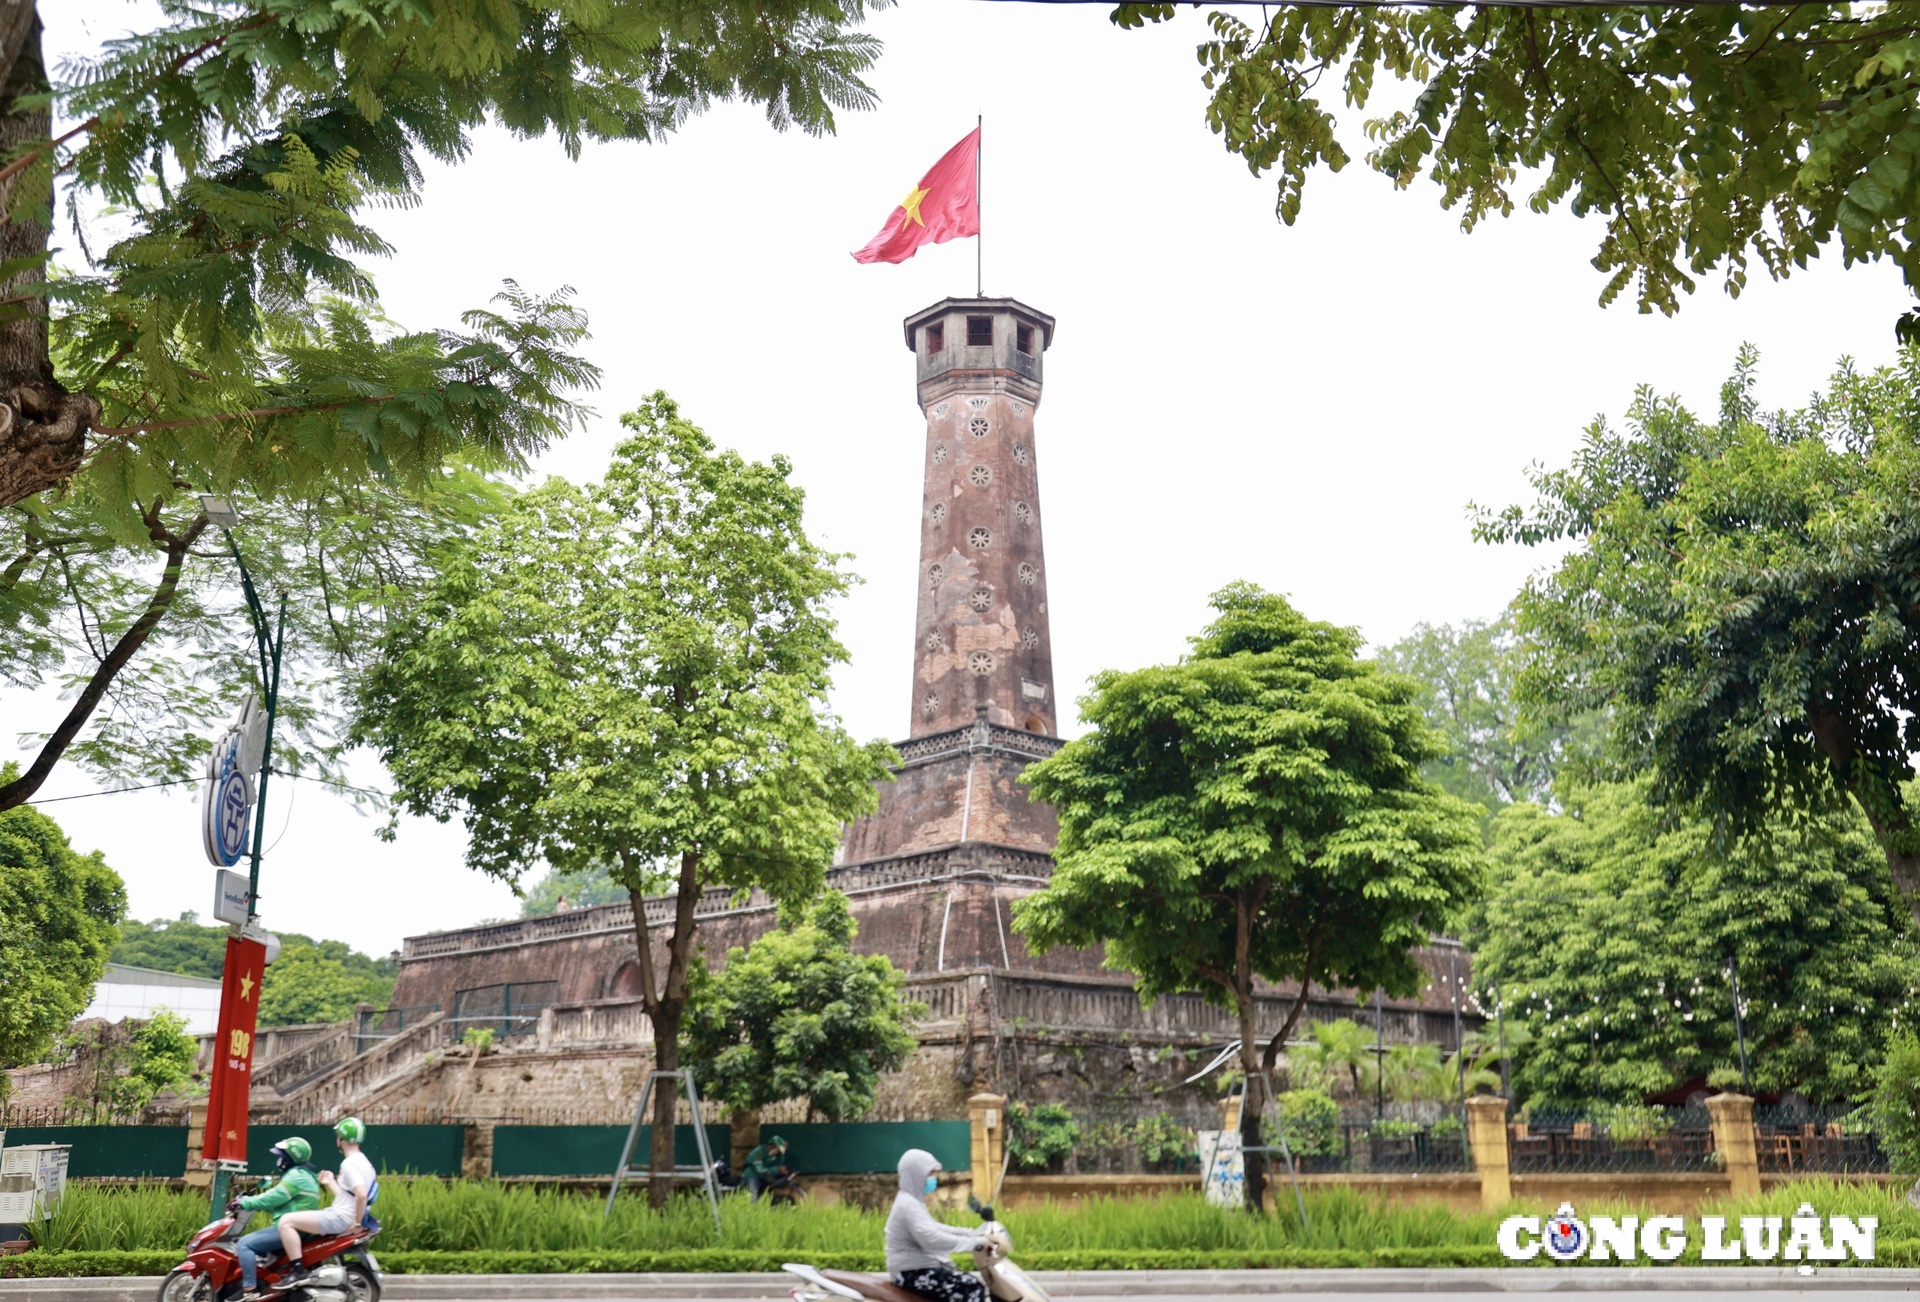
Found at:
[1309, 407]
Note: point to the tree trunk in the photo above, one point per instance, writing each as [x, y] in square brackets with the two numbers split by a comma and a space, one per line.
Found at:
[43, 428]
[666, 1004]
[1252, 1104]
[666, 1057]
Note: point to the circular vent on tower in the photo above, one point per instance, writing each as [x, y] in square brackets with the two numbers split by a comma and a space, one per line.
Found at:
[978, 427]
[979, 539]
[929, 703]
[935, 642]
[939, 512]
[980, 662]
[981, 597]
[1028, 574]
[980, 476]
[935, 573]
[1021, 512]
[1028, 638]
[939, 453]
[1021, 454]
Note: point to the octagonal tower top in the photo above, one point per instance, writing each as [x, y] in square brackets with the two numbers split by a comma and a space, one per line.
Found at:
[978, 345]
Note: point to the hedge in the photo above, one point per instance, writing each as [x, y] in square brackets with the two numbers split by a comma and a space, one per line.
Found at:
[29, 1265]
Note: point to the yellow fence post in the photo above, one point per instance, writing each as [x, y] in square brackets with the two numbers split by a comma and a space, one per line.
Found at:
[988, 1115]
[1734, 1140]
[1487, 1141]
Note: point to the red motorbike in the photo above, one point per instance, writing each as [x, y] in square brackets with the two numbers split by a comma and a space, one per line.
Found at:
[211, 1272]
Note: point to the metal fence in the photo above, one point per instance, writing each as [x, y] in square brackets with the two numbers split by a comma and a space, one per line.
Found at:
[512, 1008]
[377, 1024]
[1823, 1140]
[1603, 1138]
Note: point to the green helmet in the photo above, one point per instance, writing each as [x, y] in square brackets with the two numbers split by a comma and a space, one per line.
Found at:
[351, 1129]
[296, 1149]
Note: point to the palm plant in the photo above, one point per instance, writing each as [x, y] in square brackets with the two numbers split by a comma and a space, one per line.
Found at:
[1340, 1045]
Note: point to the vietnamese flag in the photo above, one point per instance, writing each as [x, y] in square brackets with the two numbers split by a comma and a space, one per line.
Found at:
[944, 206]
[227, 1092]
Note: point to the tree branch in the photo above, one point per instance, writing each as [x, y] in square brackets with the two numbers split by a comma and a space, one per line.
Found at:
[23, 787]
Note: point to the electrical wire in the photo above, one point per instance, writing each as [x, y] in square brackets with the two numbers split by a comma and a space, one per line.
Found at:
[116, 791]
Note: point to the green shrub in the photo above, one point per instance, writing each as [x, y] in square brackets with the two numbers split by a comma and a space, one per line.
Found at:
[1392, 1128]
[1039, 1136]
[1895, 1105]
[1448, 1127]
[1630, 1123]
[1160, 1140]
[1310, 1120]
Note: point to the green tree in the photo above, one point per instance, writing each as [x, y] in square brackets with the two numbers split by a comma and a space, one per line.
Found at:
[307, 983]
[58, 910]
[187, 946]
[634, 673]
[1342, 1045]
[241, 140]
[123, 1067]
[1707, 136]
[1739, 597]
[1255, 811]
[1606, 933]
[798, 1014]
[592, 885]
[1496, 753]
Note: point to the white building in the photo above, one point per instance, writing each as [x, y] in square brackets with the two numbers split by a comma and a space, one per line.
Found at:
[141, 992]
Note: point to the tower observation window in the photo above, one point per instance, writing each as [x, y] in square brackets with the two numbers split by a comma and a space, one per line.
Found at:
[936, 337]
[979, 332]
[1023, 338]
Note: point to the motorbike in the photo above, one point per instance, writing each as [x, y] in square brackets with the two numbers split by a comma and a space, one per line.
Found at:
[1004, 1280]
[211, 1272]
[783, 1190]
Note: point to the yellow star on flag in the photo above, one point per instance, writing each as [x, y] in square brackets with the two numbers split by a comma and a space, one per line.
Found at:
[246, 985]
[911, 204]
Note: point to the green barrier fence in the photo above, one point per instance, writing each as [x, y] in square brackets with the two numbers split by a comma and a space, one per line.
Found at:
[102, 1151]
[589, 1150]
[397, 1150]
[823, 1148]
[854, 1147]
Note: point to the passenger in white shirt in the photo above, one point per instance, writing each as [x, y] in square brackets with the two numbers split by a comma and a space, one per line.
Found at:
[352, 1191]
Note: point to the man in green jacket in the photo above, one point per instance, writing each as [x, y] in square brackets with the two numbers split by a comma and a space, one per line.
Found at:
[295, 1190]
[765, 1165]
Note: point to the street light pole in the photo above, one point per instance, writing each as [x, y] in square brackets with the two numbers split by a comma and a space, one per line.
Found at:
[1739, 1023]
[267, 648]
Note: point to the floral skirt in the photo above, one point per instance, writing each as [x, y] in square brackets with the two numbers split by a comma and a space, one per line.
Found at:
[944, 1285]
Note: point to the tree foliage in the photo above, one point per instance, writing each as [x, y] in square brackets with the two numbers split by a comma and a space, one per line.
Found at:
[1497, 753]
[58, 909]
[582, 889]
[1606, 935]
[1708, 137]
[319, 983]
[1743, 597]
[124, 1067]
[190, 948]
[798, 1014]
[1253, 812]
[633, 674]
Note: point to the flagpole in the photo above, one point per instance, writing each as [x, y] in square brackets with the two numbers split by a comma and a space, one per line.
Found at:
[980, 237]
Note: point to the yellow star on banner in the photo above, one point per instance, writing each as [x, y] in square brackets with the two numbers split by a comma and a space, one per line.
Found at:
[912, 206]
[246, 985]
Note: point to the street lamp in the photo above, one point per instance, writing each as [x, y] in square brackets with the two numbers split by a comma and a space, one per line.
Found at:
[237, 1019]
[1739, 1023]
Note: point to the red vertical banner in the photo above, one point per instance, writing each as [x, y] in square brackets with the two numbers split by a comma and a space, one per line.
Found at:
[233, 1050]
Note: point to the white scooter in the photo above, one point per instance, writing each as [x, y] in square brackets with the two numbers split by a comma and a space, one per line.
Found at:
[1004, 1280]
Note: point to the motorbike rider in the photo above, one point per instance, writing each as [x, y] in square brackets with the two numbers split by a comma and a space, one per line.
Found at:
[293, 1190]
[765, 1164]
[352, 1191]
[919, 1248]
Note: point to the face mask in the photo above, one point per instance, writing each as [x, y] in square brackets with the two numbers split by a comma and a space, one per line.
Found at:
[933, 1183]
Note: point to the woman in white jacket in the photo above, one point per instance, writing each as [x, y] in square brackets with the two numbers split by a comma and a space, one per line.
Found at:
[919, 1248]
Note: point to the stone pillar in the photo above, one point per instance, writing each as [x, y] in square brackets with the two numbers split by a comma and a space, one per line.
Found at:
[1734, 1140]
[988, 1113]
[476, 1151]
[199, 1173]
[744, 1137]
[1487, 1141]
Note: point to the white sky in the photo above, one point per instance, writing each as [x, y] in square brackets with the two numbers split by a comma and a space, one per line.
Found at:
[1311, 408]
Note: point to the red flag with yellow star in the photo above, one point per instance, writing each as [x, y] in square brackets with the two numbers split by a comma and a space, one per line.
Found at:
[227, 1092]
[944, 206]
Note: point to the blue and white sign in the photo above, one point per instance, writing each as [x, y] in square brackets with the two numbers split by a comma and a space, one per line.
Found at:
[231, 900]
[227, 805]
